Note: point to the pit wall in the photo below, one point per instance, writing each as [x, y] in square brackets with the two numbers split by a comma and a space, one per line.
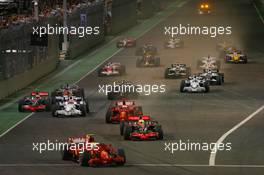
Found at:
[26, 63]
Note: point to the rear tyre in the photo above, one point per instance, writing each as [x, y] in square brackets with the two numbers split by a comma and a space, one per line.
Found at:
[166, 74]
[182, 86]
[160, 132]
[20, 106]
[54, 109]
[111, 96]
[207, 88]
[48, 104]
[219, 80]
[108, 116]
[87, 106]
[66, 155]
[99, 72]
[84, 158]
[127, 132]
[83, 110]
[121, 153]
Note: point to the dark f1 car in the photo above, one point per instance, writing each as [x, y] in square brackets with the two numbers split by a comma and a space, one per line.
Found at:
[36, 101]
[141, 128]
[126, 42]
[173, 43]
[177, 71]
[194, 83]
[122, 89]
[120, 110]
[85, 151]
[111, 69]
[148, 60]
[148, 49]
[213, 76]
[235, 56]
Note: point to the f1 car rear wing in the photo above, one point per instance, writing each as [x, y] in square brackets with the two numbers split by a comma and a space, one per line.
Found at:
[39, 93]
[178, 64]
[136, 118]
[125, 102]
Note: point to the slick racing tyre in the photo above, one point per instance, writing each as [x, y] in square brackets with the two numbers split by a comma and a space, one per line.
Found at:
[121, 153]
[182, 86]
[127, 132]
[166, 74]
[83, 110]
[20, 106]
[108, 116]
[84, 158]
[66, 155]
[160, 133]
[219, 80]
[54, 109]
[206, 86]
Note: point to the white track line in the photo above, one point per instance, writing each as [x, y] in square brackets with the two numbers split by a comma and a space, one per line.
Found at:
[155, 24]
[223, 137]
[15, 125]
[130, 164]
[260, 16]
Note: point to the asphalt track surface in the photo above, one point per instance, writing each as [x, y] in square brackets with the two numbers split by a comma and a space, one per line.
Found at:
[194, 117]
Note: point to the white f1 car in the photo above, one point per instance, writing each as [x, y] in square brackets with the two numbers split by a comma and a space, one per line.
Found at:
[194, 83]
[111, 69]
[177, 71]
[74, 106]
[213, 76]
[173, 43]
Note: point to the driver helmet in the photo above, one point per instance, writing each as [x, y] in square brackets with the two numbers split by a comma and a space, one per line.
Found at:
[89, 138]
[141, 122]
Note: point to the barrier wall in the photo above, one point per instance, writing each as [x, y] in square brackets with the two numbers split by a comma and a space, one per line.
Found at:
[124, 15]
[29, 63]
[21, 63]
[92, 16]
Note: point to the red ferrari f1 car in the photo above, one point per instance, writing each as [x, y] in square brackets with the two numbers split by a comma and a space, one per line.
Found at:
[36, 101]
[141, 128]
[85, 151]
[120, 110]
[126, 42]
